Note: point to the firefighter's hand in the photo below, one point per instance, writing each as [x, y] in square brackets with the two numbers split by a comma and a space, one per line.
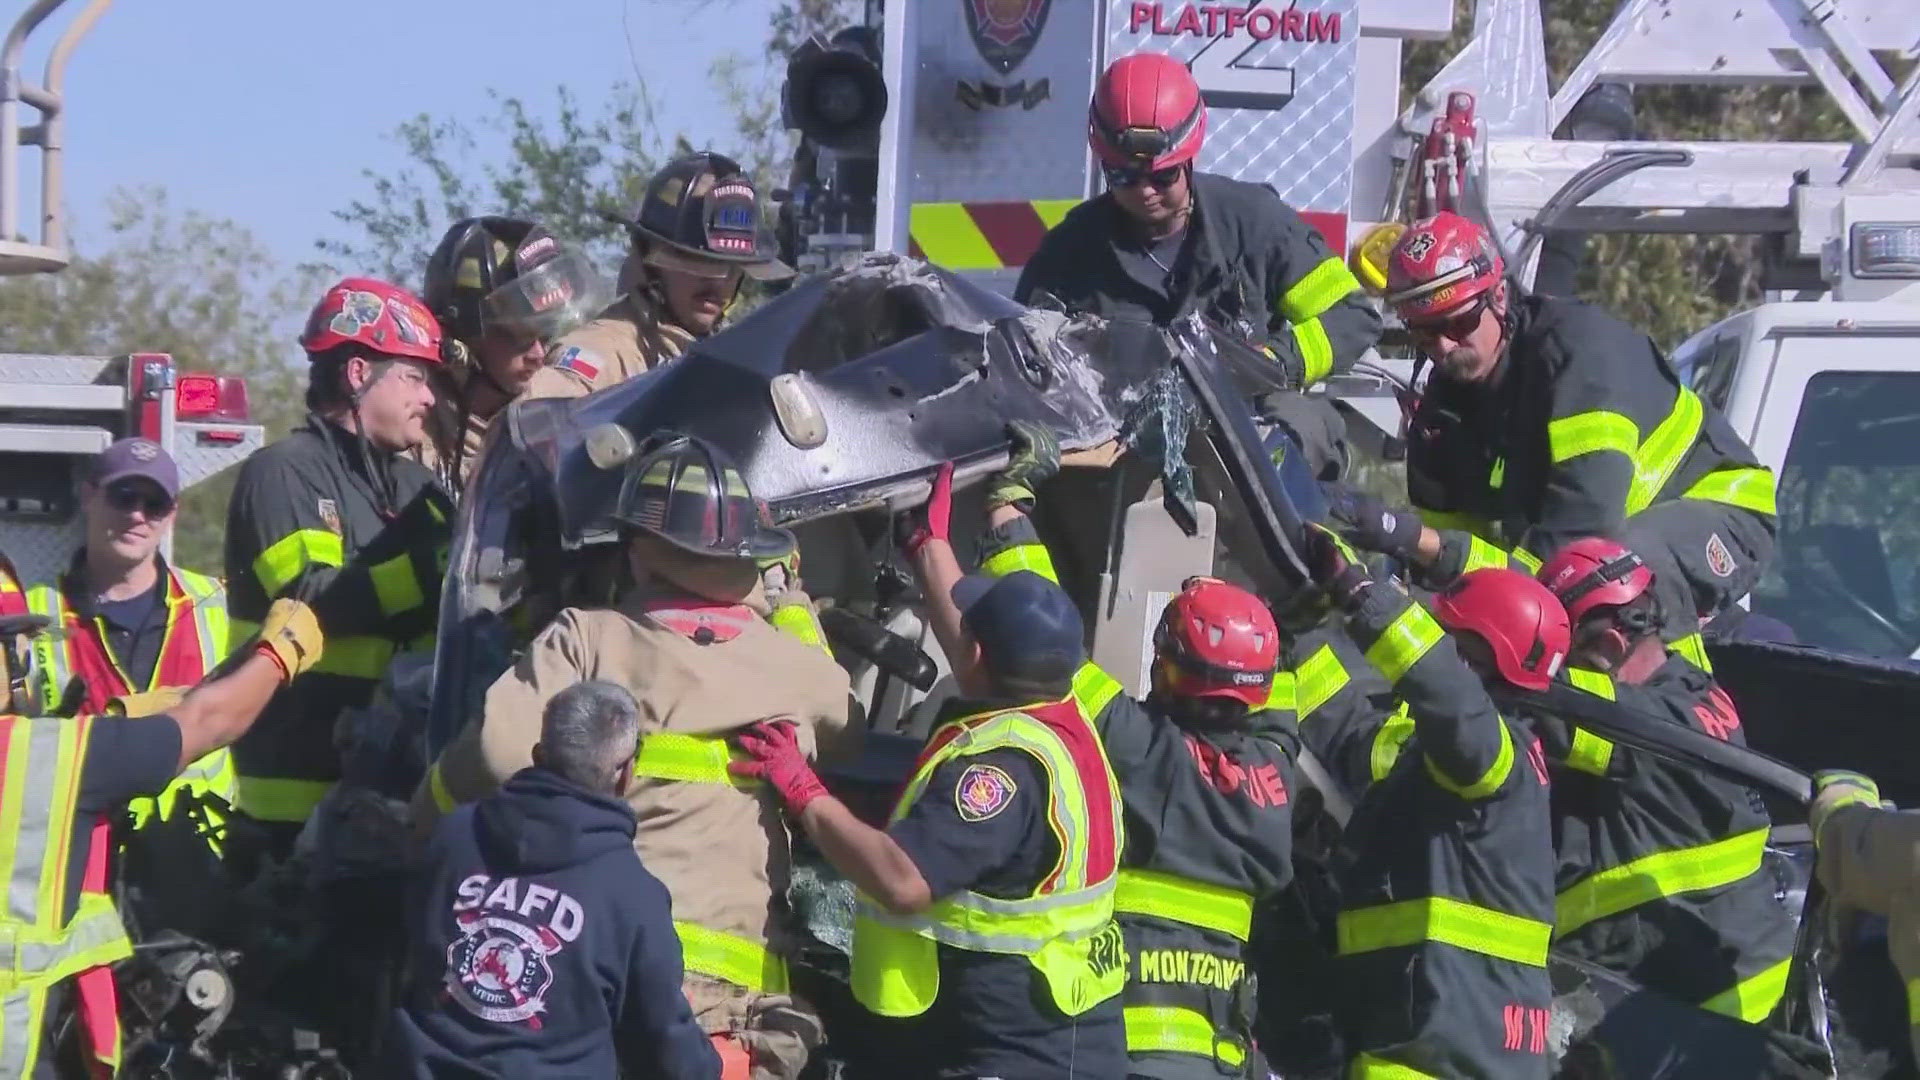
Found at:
[781, 575]
[291, 635]
[1835, 788]
[934, 521]
[1035, 460]
[1367, 522]
[1335, 567]
[773, 755]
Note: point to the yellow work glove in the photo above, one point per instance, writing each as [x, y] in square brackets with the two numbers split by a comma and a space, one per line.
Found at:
[149, 703]
[291, 635]
[1835, 788]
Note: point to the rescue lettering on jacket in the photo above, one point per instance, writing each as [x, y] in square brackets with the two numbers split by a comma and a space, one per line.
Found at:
[1525, 1028]
[1189, 966]
[1717, 715]
[1262, 784]
[500, 967]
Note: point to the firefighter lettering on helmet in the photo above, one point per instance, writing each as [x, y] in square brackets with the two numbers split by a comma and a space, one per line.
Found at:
[1714, 936]
[696, 235]
[1422, 987]
[503, 289]
[339, 513]
[1546, 420]
[1166, 238]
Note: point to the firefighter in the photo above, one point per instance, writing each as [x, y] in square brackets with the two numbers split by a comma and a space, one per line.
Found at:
[1661, 873]
[502, 288]
[692, 642]
[984, 923]
[60, 778]
[1167, 239]
[337, 512]
[1205, 764]
[1548, 419]
[1446, 868]
[696, 237]
[1869, 860]
[130, 621]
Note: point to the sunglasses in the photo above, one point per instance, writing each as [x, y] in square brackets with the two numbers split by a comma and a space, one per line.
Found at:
[1455, 327]
[1119, 176]
[126, 498]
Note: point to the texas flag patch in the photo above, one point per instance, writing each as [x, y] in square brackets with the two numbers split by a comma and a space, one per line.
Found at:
[575, 359]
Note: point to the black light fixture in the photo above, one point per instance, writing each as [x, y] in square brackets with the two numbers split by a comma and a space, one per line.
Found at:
[834, 91]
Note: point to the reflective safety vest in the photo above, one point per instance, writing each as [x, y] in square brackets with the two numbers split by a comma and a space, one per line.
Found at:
[1168, 897]
[40, 766]
[702, 759]
[1064, 928]
[195, 641]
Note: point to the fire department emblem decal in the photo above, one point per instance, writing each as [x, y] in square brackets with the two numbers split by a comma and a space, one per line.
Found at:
[1719, 559]
[1004, 33]
[498, 968]
[330, 514]
[358, 309]
[142, 450]
[983, 791]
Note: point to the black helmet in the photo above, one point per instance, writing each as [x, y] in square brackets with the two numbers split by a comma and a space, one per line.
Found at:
[501, 271]
[685, 491]
[702, 209]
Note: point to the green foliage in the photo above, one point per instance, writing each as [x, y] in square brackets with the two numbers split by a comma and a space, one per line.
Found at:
[197, 287]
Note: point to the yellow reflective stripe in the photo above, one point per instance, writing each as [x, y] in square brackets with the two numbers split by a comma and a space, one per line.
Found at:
[1447, 921]
[395, 586]
[736, 960]
[1093, 688]
[1752, 999]
[1369, 1067]
[1590, 753]
[1489, 781]
[1316, 351]
[1527, 559]
[292, 554]
[443, 799]
[949, 237]
[1053, 211]
[1184, 900]
[1172, 1030]
[1318, 679]
[694, 759]
[1281, 695]
[1593, 682]
[33, 956]
[1034, 557]
[1694, 648]
[1323, 286]
[1388, 741]
[1913, 1002]
[1591, 432]
[798, 621]
[49, 650]
[1405, 640]
[275, 799]
[355, 657]
[1653, 877]
[1750, 488]
[1483, 555]
[1660, 456]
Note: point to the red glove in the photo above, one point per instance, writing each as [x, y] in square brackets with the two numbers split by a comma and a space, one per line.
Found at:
[934, 521]
[773, 754]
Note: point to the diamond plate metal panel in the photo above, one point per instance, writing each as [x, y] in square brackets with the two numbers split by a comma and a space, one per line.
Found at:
[40, 550]
[1504, 66]
[1303, 148]
[39, 369]
[201, 458]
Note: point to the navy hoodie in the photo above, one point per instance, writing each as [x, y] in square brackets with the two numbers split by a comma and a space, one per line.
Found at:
[540, 946]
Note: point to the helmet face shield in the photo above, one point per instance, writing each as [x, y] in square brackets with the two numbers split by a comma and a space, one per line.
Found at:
[549, 300]
[680, 261]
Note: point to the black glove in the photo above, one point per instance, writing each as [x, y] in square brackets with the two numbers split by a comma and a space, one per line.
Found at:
[1335, 567]
[1367, 522]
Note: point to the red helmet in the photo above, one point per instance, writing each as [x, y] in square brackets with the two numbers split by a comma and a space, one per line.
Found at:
[1146, 109]
[1219, 641]
[387, 319]
[1595, 572]
[1516, 616]
[1441, 263]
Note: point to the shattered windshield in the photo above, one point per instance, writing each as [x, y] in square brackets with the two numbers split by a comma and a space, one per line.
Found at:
[1847, 576]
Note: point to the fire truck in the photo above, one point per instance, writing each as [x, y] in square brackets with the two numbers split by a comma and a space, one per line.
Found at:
[955, 131]
[57, 411]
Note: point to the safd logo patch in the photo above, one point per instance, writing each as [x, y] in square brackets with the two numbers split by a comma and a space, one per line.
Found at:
[983, 791]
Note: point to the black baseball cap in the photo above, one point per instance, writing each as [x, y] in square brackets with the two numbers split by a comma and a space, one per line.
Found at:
[1028, 629]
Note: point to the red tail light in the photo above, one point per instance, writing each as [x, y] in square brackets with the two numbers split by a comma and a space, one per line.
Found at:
[211, 397]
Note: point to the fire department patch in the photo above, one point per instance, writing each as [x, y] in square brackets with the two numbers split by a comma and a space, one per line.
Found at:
[1004, 31]
[575, 359]
[1719, 559]
[357, 309]
[142, 450]
[983, 791]
[497, 969]
[330, 514]
[1419, 246]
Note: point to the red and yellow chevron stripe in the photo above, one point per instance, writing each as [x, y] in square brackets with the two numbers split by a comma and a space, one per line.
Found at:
[982, 235]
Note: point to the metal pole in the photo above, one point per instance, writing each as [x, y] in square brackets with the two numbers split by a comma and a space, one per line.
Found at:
[10, 97]
[53, 222]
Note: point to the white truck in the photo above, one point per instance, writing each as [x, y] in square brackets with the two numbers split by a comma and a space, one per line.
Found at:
[56, 411]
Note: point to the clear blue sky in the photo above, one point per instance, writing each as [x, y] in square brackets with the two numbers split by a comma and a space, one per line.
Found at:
[266, 111]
